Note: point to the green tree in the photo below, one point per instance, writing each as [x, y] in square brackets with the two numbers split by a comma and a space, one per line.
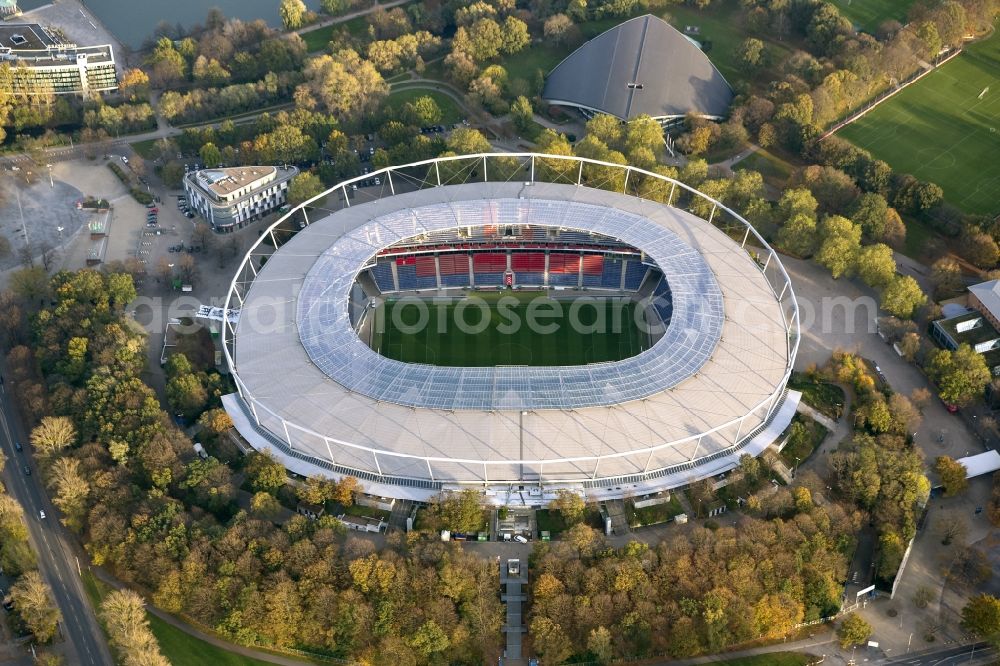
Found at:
[903, 296]
[522, 114]
[839, 246]
[870, 211]
[422, 111]
[211, 156]
[430, 639]
[876, 265]
[303, 187]
[981, 616]
[961, 375]
[946, 274]
[265, 473]
[854, 630]
[798, 235]
[465, 141]
[293, 13]
[751, 55]
[514, 35]
[953, 474]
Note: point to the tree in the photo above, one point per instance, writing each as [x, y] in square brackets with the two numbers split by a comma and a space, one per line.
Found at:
[954, 475]
[903, 296]
[946, 274]
[265, 506]
[876, 265]
[215, 421]
[981, 616]
[798, 235]
[854, 630]
[303, 187]
[124, 615]
[870, 212]
[293, 13]
[265, 473]
[344, 491]
[522, 114]
[52, 435]
[134, 83]
[514, 35]
[211, 156]
[430, 639]
[343, 84]
[752, 55]
[558, 28]
[315, 490]
[570, 505]
[840, 245]
[33, 601]
[465, 141]
[961, 375]
[71, 491]
[600, 645]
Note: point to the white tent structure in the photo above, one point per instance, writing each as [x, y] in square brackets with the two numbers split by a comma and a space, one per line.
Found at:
[982, 463]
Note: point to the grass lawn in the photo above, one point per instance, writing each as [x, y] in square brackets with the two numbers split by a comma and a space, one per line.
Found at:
[550, 520]
[918, 238]
[799, 449]
[770, 659]
[722, 25]
[177, 646]
[144, 148]
[771, 167]
[826, 398]
[867, 15]
[651, 515]
[457, 334]
[450, 113]
[367, 512]
[944, 129]
[317, 39]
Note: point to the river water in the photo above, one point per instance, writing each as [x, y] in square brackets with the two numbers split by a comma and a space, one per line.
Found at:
[132, 21]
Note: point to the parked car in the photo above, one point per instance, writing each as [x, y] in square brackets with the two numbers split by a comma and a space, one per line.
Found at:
[41, 514]
[124, 159]
[27, 471]
[151, 205]
[520, 539]
[17, 445]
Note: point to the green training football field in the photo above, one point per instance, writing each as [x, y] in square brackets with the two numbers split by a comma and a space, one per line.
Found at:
[869, 14]
[944, 128]
[491, 329]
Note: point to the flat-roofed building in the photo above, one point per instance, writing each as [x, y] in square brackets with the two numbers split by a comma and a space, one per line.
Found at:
[231, 198]
[38, 64]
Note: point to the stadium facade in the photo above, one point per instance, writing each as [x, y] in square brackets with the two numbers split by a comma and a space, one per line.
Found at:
[710, 387]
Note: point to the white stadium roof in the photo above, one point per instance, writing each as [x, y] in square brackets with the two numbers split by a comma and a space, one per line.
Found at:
[719, 390]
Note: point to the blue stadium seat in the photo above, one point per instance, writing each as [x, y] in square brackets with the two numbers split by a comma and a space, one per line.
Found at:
[634, 274]
[489, 279]
[611, 277]
[529, 279]
[408, 279]
[381, 272]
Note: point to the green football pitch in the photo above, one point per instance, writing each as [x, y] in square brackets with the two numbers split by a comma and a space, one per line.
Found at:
[869, 14]
[944, 129]
[519, 328]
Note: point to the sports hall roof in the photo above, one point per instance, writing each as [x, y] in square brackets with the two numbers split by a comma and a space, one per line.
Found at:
[297, 400]
[641, 66]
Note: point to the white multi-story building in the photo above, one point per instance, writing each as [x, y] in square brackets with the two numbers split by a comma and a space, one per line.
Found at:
[35, 63]
[231, 198]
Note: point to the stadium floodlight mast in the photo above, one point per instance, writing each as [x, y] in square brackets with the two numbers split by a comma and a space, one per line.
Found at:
[273, 430]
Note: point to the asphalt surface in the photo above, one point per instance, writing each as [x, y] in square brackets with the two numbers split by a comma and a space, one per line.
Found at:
[57, 563]
[979, 653]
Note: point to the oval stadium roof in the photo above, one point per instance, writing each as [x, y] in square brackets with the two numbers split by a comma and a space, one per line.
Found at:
[641, 66]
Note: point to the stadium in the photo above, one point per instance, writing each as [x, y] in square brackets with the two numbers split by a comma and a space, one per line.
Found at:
[517, 323]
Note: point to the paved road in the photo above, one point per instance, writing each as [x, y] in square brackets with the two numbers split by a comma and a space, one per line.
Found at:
[979, 653]
[56, 559]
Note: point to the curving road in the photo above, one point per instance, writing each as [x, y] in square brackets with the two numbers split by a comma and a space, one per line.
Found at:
[57, 561]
